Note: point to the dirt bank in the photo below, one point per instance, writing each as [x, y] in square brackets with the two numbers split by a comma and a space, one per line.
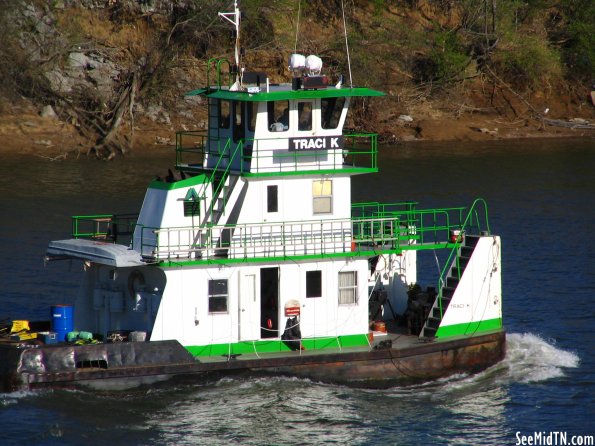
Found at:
[24, 131]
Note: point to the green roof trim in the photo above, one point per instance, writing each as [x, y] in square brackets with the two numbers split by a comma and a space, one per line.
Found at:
[193, 181]
[349, 171]
[279, 95]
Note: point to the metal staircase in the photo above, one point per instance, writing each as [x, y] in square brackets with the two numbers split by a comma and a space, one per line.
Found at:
[448, 286]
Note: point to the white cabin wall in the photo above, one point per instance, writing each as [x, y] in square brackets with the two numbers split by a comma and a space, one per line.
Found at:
[323, 316]
[184, 311]
[185, 301]
[295, 200]
[164, 208]
[478, 296]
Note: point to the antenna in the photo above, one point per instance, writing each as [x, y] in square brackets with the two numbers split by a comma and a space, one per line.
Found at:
[234, 18]
[297, 25]
[347, 45]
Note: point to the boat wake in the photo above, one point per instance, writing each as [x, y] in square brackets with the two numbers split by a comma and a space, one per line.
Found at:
[530, 358]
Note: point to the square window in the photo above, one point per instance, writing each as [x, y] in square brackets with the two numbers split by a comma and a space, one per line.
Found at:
[313, 283]
[322, 197]
[218, 296]
[348, 288]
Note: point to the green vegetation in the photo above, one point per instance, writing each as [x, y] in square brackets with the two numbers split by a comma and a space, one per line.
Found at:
[153, 51]
[576, 36]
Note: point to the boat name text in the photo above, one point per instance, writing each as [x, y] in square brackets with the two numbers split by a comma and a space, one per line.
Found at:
[316, 143]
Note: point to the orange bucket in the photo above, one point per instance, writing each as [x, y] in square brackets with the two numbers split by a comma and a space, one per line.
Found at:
[380, 326]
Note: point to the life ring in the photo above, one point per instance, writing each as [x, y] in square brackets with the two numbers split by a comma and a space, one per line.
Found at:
[135, 277]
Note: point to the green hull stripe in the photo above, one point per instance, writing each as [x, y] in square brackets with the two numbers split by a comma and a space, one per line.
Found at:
[468, 328]
[272, 346]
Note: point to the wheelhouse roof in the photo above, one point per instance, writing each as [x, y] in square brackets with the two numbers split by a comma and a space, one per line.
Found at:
[284, 92]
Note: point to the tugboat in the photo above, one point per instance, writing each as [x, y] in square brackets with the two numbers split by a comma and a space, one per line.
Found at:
[252, 258]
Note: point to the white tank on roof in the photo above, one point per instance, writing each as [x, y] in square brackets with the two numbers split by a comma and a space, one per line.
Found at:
[297, 63]
[313, 65]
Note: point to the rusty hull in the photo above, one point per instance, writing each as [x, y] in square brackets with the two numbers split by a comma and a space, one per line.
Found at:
[143, 363]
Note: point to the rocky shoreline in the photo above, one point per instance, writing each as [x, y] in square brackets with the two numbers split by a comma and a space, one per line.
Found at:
[103, 78]
[25, 130]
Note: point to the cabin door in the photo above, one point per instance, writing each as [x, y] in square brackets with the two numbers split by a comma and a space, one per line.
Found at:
[249, 312]
[269, 302]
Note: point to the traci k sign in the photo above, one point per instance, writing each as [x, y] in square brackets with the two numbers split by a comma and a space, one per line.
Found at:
[316, 143]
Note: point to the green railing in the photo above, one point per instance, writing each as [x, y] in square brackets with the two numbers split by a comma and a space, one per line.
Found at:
[428, 227]
[476, 221]
[216, 64]
[374, 227]
[108, 227]
[265, 155]
[218, 178]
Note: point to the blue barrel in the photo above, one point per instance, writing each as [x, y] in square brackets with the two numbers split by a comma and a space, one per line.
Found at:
[62, 321]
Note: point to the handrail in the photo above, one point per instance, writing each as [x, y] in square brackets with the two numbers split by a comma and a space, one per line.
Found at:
[224, 176]
[266, 156]
[103, 226]
[217, 62]
[467, 224]
[391, 232]
[202, 193]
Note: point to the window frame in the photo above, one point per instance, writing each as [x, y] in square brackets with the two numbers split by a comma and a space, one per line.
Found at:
[211, 294]
[239, 118]
[322, 197]
[331, 113]
[225, 120]
[272, 198]
[305, 123]
[352, 287]
[252, 114]
[275, 114]
[317, 284]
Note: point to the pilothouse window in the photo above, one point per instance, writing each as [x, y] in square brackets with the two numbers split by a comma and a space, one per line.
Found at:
[278, 116]
[252, 112]
[238, 121]
[224, 114]
[331, 109]
[304, 116]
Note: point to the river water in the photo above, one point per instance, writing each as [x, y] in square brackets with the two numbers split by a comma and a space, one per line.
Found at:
[541, 201]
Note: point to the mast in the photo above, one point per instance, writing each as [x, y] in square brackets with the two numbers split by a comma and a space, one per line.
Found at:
[234, 18]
